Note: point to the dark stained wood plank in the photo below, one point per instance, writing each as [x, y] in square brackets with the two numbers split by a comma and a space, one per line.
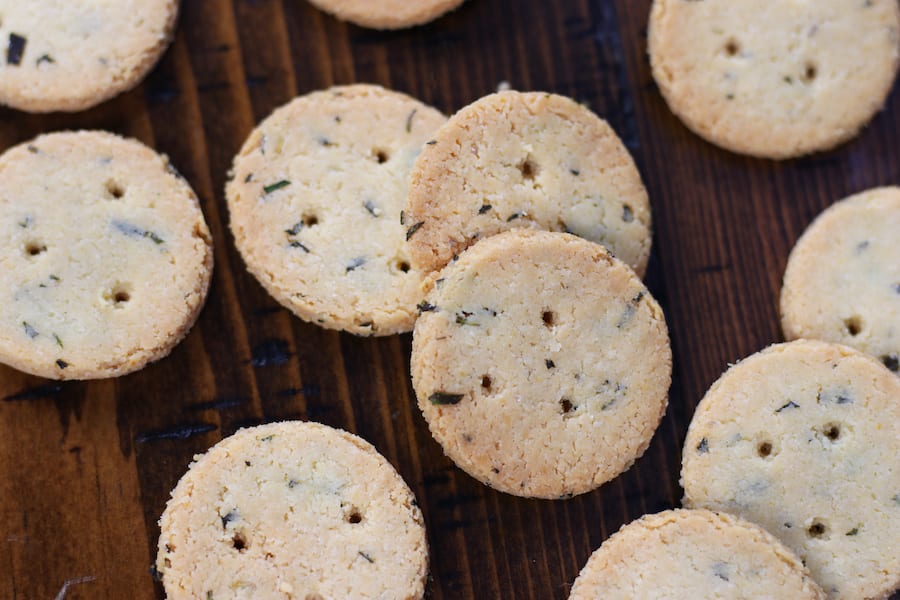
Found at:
[86, 468]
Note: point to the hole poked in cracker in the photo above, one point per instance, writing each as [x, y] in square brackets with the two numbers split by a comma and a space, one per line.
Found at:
[529, 169]
[854, 325]
[818, 529]
[34, 248]
[239, 542]
[352, 514]
[401, 265]
[732, 47]
[810, 72]
[549, 318]
[486, 383]
[310, 219]
[118, 295]
[765, 449]
[832, 431]
[114, 189]
[381, 155]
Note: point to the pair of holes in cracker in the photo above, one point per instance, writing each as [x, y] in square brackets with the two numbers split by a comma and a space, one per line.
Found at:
[810, 69]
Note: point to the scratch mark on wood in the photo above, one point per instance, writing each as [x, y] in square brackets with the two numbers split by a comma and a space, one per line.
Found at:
[180, 432]
[70, 582]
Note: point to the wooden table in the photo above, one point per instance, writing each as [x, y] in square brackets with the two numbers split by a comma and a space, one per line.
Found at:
[86, 468]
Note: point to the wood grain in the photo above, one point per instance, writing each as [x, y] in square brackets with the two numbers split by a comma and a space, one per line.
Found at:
[86, 468]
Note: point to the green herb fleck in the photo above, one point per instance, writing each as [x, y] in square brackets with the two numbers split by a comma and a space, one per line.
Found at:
[513, 217]
[45, 58]
[409, 120]
[58, 341]
[134, 231]
[55, 278]
[412, 230]
[403, 217]
[361, 553]
[293, 483]
[444, 398]
[61, 364]
[267, 438]
[296, 244]
[424, 306]
[29, 330]
[790, 404]
[703, 446]
[431, 142]
[853, 531]
[33, 149]
[274, 187]
[484, 208]
[462, 318]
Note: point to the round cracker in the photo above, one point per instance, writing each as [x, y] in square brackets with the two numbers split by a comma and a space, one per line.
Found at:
[316, 200]
[536, 160]
[803, 439]
[778, 79]
[105, 254]
[296, 510]
[541, 363]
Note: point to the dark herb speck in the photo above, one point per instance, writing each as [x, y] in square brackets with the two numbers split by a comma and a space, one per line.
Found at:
[296, 244]
[891, 361]
[627, 214]
[550, 364]
[26, 222]
[58, 341]
[431, 142]
[409, 120]
[361, 553]
[61, 364]
[484, 208]
[45, 58]
[424, 306]
[703, 446]
[444, 399]
[232, 515]
[790, 404]
[575, 172]
[412, 230]
[356, 263]
[134, 231]
[853, 531]
[15, 49]
[513, 217]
